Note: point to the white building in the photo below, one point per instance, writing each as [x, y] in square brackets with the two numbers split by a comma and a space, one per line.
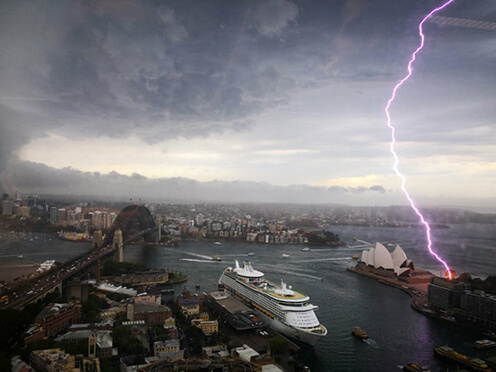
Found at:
[380, 257]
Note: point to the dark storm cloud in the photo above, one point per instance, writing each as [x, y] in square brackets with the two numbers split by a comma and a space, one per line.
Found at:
[162, 70]
[47, 180]
[139, 63]
[117, 68]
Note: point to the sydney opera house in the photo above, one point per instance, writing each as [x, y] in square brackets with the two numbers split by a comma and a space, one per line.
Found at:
[380, 261]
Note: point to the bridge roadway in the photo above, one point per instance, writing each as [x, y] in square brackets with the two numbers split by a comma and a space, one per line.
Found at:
[59, 276]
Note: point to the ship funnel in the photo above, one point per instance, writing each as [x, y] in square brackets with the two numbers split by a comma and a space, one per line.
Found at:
[237, 264]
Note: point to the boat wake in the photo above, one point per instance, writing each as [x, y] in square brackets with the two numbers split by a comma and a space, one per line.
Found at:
[355, 247]
[28, 254]
[292, 273]
[372, 343]
[364, 242]
[199, 255]
[196, 260]
[327, 259]
[236, 255]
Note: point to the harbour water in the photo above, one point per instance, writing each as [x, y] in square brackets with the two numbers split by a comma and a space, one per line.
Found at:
[398, 334]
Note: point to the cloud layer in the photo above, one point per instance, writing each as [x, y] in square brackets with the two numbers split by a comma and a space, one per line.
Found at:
[300, 76]
[46, 180]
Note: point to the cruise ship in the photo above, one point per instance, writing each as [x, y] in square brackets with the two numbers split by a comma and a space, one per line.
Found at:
[283, 308]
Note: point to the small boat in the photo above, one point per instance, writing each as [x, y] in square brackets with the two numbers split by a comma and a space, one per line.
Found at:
[484, 344]
[217, 243]
[306, 249]
[285, 255]
[448, 318]
[216, 258]
[20, 256]
[360, 333]
[491, 335]
[355, 257]
[412, 367]
[197, 286]
[251, 254]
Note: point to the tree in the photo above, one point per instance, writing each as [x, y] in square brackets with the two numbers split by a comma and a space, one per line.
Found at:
[196, 338]
[12, 324]
[126, 342]
[278, 345]
[91, 308]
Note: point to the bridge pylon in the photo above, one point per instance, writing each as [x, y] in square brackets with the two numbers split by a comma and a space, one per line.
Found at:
[97, 239]
[118, 244]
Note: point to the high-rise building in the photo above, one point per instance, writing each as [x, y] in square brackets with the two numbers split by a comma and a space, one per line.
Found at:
[53, 215]
[100, 220]
[32, 200]
[71, 217]
[61, 216]
[199, 219]
[112, 217]
[23, 211]
[481, 308]
[7, 206]
[446, 294]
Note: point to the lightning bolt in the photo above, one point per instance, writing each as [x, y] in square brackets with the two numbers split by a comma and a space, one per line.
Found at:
[393, 137]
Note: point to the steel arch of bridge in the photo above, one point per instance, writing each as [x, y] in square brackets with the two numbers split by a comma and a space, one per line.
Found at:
[133, 221]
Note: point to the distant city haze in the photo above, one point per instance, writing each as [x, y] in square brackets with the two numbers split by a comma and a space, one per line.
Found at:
[272, 101]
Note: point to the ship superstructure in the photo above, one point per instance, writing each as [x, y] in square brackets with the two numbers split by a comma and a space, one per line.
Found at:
[285, 309]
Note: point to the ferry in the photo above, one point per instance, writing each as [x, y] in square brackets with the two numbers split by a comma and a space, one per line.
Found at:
[412, 367]
[448, 318]
[284, 309]
[474, 364]
[73, 236]
[484, 344]
[360, 333]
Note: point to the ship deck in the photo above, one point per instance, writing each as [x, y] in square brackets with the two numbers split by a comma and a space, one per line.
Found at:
[270, 290]
[296, 295]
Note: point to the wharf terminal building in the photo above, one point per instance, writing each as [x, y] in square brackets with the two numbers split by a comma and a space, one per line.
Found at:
[456, 298]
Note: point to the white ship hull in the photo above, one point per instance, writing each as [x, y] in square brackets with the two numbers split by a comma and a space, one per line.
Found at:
[294, 333]
[279, 315]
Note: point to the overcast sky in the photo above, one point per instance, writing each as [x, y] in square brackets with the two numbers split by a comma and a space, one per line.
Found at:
[268, 100]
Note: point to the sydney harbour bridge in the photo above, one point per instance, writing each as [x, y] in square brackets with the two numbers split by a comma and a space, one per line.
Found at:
[133, 223]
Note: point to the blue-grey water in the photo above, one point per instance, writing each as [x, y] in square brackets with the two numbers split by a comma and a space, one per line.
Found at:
[399, 335]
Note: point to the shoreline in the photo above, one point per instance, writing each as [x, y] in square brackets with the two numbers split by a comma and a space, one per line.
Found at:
[10, 272]
[418, 293]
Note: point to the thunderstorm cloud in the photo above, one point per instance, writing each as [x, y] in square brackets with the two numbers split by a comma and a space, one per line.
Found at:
[275, 92]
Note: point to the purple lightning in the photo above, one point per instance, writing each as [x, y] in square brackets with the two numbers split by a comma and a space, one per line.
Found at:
[393, 138]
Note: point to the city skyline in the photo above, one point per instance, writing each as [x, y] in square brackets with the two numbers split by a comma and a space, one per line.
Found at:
[278, 101]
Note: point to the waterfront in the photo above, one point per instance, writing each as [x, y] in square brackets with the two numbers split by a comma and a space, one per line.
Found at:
[399, 335]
